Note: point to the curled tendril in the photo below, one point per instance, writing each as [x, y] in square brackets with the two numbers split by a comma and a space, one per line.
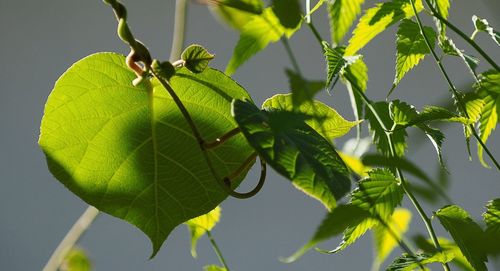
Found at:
[227, 180]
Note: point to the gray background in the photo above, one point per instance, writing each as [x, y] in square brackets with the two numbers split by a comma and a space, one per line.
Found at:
[40, 39]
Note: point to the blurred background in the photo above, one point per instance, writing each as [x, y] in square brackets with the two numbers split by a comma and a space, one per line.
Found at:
[39, 40]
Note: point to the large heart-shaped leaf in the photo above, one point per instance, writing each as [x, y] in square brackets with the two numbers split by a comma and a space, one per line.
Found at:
[295, 150]
[129, 152]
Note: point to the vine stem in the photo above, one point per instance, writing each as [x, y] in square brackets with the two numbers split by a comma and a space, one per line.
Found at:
[217, 250]
[440, 65]
[69, 241]
[462, 35]
[179, 29]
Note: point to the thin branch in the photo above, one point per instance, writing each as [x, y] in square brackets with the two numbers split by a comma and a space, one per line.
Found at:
[179, 29]
[217, 250]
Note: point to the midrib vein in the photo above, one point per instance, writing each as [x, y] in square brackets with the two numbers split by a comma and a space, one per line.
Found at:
[155, 158]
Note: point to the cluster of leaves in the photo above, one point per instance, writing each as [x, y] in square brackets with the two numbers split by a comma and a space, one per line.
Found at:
[137, 151]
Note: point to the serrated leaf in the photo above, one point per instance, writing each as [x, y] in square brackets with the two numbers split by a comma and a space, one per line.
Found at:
[302, 90]
[492, 219]
[378, 194]
[433, 113]
[375, 20]
[466, 233]
[333, 224]
[386, 240]
[196, 58]
[378, 133]
[342, 14]
[436, 137]
[236, 13]
[257, 33]
[449, 48]
[488, 89]
[295, 150]
[335, 61]
[214, 268]
[482, 25]
[198, 226]
[128, 151]
[448, 246]
[288, 12]
[442, 7]
[402, 113]
[411, 47]
[408, 262]
[76, 260]
[357, 73]
[326, 121]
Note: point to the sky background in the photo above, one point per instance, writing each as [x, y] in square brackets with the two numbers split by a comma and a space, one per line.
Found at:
[39, 40]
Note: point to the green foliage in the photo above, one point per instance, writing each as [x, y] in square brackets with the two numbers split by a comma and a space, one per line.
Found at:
[214, 268]
[196, 58]
[198, 226]
[466, 233]
[236, 13]
[449, 48]
[251, 6]
[288, 12]
[387, 238]
[76, 260]
[482, 25]
[295, 150]
[302, 90]
[129, 152]
[342, 14]
[492, 219]
[375, 20]
[336, 61]
[327, 122]
[411, 47]
[409, 262]
[448, 246]
[442, 7]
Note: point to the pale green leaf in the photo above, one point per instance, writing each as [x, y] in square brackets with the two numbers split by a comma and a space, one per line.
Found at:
[408, 262]
[386, 240]
[342, 217]
[128, 151]
[198, 226]
[355, 164]
[466, 233]
[342, 14]
[251, 6]
[482, 25]
[443, 8]
[488, 89]
[375, 20]
[214, 268]
[448, 246]
[76, 260]
[295, 150]
[411, 47]
[449, 48]
[302, 90]
[326, 120]
[236, 13]
[357, 73]
[196, 58]
[378, 194]
[257, 33]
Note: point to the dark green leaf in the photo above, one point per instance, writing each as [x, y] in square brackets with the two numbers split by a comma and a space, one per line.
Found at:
[163, 69]
[402, 113]
[466, 233]
[294, 150]
[342, 217]
[288, 12]
[252, 6]
[196, 58]
[342, 14]
[335, 61]
[128, 150]
[234, 17]
[302, 90]
[326, 121]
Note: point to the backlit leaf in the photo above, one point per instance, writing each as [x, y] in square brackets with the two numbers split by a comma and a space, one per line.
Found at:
[335, 61]
[214, 268]
[236, 13]
[342, 14]
[76, 260]
[326, 121]
[482, 25]
[449, 48]
[443, 7]
[492, 219]
[386, 240]
[128, 151]
[295, 150]
[198, 226]
[288, 12]
[196, 58]
[302, 90]
[407, 262]
[448, 246]
[251, 6]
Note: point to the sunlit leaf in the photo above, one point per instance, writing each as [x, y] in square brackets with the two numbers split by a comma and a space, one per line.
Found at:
[236, 13]
[357, 73]
[335, 61]
[128, 151]
[251, 6]
[355, 164]
[302, 90]
[214, 268]
[196, 58]
[342, 14]
[402, 113]
[449, 48]
[198, 226]
[408, 262]
[295, 150]
[326, 121]
[386, 240]
[466, 233]
[451, 248]
[76, 260]
[482, 25]
[492, 219]
[443, 8]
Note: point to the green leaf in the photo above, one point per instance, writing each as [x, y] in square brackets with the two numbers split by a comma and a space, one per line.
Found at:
[466, 233]
[327, 122]
[357, 72]
[386, 240]
[236, 13]
[255, 36]
[378, 133]
[128, 151]
[434, 113]
[342, 217]
[342, 14]
[198, 226]
[302, 90]
[411, 47]
[76, 260]
[335, 61]
[408, 262]
[449, 48]
[294, 150]
[196, 58]
[214, 268]
[378, 194]
[402, 113]
[492, 219]
[288, 12]
[375, 20]
[448, 246]
[436, 137]
[482, 25]
[488, 89]
[443, 8]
